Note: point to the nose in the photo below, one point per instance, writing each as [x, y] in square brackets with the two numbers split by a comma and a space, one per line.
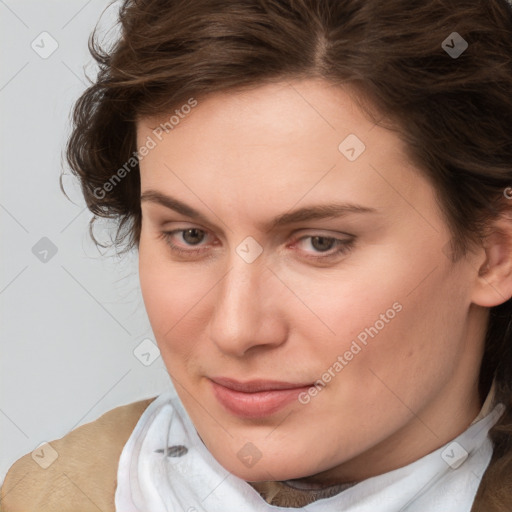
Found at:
[246, 312]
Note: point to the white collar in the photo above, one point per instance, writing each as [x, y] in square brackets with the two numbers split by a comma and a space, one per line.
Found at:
[148, 480]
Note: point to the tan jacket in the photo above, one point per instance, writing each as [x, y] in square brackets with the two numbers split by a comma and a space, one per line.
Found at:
[83, 478]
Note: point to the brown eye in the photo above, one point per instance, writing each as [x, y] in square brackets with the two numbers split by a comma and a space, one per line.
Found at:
[324, 248]
[193, 235]
[322, 243]
[187, 242]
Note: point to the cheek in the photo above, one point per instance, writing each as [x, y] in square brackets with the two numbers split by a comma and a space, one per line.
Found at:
[172, 295]
[408, 359]
[397, 327]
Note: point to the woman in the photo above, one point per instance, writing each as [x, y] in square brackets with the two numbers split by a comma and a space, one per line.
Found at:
[319, 193]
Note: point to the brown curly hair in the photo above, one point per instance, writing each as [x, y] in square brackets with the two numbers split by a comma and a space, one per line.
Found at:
[453, 112]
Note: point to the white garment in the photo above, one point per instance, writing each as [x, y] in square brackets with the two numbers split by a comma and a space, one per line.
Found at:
[148, 480]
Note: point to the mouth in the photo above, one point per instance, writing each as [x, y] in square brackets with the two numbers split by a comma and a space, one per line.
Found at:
[255, 398]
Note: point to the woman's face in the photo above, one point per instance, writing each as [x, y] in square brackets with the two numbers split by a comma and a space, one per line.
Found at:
[307, 249]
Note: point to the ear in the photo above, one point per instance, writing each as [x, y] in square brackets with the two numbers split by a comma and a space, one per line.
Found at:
[493, 285]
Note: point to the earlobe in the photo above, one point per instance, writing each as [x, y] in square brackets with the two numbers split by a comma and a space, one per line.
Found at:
[493, 285]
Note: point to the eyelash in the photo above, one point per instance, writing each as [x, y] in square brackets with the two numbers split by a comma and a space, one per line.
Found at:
[343, 246]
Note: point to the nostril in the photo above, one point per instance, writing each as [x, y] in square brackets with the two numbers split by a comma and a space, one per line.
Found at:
[174, 451]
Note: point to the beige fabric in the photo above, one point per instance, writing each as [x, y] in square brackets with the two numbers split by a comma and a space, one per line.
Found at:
[280, 494]
[83, 478]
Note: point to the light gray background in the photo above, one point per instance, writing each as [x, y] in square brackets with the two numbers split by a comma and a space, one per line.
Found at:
[70, 325]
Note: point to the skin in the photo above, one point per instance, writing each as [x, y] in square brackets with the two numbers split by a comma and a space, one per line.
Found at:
[242, 159]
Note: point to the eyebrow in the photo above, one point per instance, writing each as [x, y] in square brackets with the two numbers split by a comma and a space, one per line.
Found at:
[318, 212]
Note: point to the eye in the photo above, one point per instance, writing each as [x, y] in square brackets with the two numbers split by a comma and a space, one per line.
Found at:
[190, 237]
[325, 247]
[193, 236]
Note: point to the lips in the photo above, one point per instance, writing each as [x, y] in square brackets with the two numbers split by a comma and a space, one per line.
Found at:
[256, 385]
[255, 398]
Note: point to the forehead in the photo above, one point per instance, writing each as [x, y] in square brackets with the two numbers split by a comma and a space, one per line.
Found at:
[308, 98]
[308, 113]
[303, 140]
